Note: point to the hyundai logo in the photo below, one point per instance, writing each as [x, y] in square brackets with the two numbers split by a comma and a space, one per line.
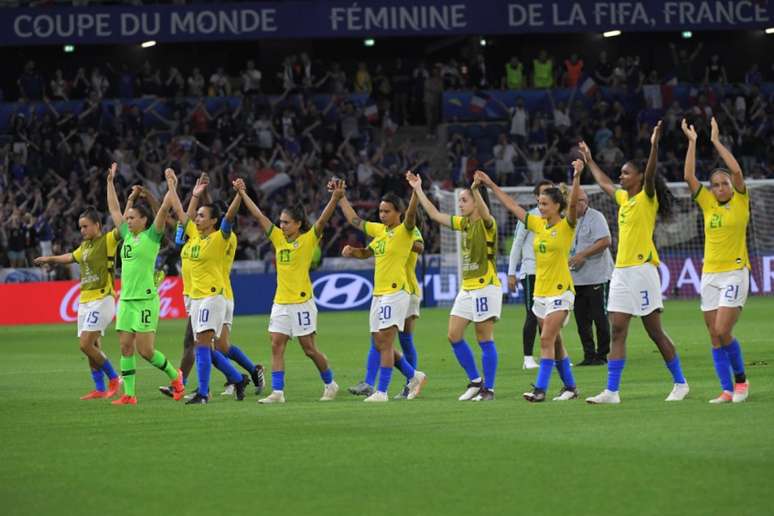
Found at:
[342, 291]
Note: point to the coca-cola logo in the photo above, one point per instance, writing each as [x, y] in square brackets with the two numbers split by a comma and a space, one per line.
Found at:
[68, 306]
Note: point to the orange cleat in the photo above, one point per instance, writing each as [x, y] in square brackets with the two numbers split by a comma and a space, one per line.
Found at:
[178, 389]
[125, 400]
[113, 386]
[94, 395]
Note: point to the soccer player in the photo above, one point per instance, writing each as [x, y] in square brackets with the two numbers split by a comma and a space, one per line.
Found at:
[635, 288]
[138, 307]
[96, 308]
[294, 313]
[480, 297]
[392, 243]
[554, 290]
[725, 278]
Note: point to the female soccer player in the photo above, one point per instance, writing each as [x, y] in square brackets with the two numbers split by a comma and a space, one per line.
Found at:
[635, 288]
[480, 298]
[95, 256]
[392, 243]
[294, 313]
[554, 290]
[725, 278]
[138, 307]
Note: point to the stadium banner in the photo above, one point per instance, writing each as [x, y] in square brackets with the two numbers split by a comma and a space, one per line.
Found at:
[337, 19]
[57, 301]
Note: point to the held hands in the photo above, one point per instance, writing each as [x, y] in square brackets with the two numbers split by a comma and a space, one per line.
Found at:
[480, 177]
[338, 188]
[689, 131]
[171, 179]
[714, 131]
[201, 184]
[112, 171]
[135, 193]
[656, 136]
[577, 168]
[239, 185]
[414, 181]
[347, 251]
[585, 152]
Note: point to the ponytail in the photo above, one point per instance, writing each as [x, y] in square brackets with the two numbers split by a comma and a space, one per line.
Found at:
[665, 198]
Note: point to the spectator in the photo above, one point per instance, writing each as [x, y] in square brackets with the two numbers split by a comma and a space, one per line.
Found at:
[174, 86]
[80, 84]
[543, 71]
[99, 83]
[433, 93]
[683, 61]
[196, 83]
[478, 73]
[611, 155]
[514, 74]
[603, 72]
[58, 86]
[753, 76]
[251, 79]
[220, 86]
[504, 157]
[362, 82]
[31, 85]
[535, 162]
[715, 72]
[573, 70]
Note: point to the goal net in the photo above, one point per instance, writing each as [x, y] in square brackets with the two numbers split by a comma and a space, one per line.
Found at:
[680, 241]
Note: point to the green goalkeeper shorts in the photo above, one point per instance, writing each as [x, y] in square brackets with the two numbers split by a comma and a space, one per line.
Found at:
[138, 315]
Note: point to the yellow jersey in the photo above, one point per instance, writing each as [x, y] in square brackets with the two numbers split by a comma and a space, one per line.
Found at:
[293, 262]
[636, 222]
[411, 266]
[479, 252]
[552, 246]
[185, 260]
[231, 248]
[725, 231]
[391, 248]
[208, 255]
[97, 259]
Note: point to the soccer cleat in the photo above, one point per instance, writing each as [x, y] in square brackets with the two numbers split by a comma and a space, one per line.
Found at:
[586, 362]
[94, 395]
[535, 395]
[229, 389]
[274, 397]
[125, 400]
[178, 389]
[471, 392]
[258, 379]
[239, 388]
[604, 397]
[567, 393]
[377, 397]
[113, 386]
[166, 390]
[402, 395]
[484, 395]
[330, 391]
[530, 363]
[679, 392]
[741, 390]
[198, 399]
[415, 384]
[361, 389]
[725, 397]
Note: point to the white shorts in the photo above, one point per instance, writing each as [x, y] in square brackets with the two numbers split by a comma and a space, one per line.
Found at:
[295, 320]
[389, 310]
[413, 309]
[544, 305]
[635, 290]
[724, 289]
[479, 305]
[96, 315]
[208, 313]
[187, 304]
[229, 318]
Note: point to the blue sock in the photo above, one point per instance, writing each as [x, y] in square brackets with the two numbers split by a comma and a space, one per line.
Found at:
[722, 368]
[99, 380]
[465, 357]
[489, 362]
[676, 370]
[327, 376]
[107, 368]
[614, 370]
[565, 372]
[236, 354]
[404, 367]
[278, 380]
[407, 345]
[734, 352]
[544, 373]
[223, 365]
[372, 364]
[385, 375]
[203, 369]
[185, 380]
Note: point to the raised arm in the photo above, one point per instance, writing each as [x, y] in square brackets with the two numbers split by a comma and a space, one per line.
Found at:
[483, 209]
[337, 193]
[262, 219]
[112, 197]
[177, 206]
[199, 191]
[506, 200]
[231, 213]
[410, 219]
[650, 168]
[689, 171]
[600, 177]
[572, 210]
[61, 259]
[350, 214]
[416, 184]
[160, 221]
[737, 178]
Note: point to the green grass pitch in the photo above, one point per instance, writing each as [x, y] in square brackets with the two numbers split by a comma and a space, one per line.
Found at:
[434, 455]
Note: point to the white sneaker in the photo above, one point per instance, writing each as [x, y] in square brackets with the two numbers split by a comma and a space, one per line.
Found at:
[604, 397]
[329, 393]
[725, 397]
[415, 384]
[274, 397]
[679, 392]
[228, 391]
[567, 394]
[530, 363]
[377, 397]
[741, 391]
[472, 391]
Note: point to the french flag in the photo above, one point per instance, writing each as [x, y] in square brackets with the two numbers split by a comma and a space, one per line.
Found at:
[478, 102]
[371, 113]
[588, 86]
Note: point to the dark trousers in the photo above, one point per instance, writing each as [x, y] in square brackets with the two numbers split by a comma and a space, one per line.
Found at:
[591, 308]
[530, 328]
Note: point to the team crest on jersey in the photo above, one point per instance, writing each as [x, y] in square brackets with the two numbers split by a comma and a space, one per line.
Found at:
[553, 233]
[295, 244]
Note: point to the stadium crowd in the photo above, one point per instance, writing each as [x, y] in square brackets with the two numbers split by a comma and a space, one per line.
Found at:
[284, 132]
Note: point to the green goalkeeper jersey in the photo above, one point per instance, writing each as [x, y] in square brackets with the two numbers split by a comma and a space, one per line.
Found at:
[138, 260]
